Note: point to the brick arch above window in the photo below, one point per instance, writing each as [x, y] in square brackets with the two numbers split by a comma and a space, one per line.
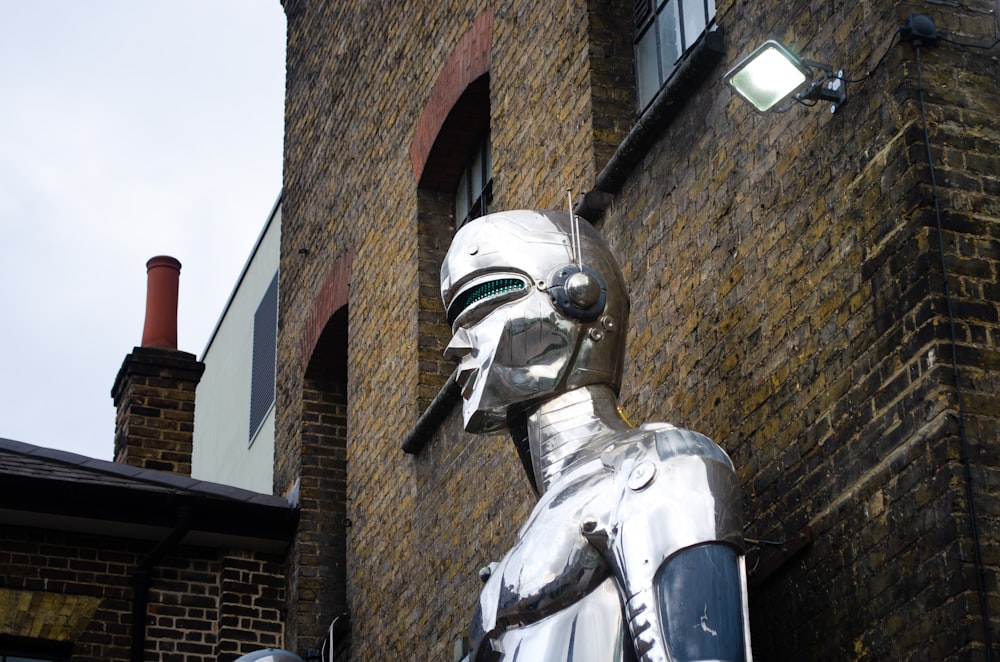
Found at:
[468, 61]
[332, 296]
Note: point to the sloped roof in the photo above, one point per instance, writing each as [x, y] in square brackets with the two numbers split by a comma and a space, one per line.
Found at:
[47, 488]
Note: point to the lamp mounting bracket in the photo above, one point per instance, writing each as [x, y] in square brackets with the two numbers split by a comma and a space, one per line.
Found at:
[831, 88]
[818, 65]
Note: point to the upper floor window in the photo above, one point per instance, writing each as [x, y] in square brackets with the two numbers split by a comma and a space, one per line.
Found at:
[664, 31]
[474, 194]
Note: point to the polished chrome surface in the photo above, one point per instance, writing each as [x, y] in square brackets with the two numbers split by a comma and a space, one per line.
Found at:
[633, 526]
[587, 630]
[516, 347]
[270, 655]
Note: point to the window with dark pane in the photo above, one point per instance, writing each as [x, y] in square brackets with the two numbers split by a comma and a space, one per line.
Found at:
[474, 194]
[264, 365]
[664, 31]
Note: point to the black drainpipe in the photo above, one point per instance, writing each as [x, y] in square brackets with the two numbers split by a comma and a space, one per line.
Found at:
[141, 582]
[436, 412]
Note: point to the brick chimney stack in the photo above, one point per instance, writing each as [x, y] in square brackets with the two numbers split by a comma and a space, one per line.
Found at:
[155, 387]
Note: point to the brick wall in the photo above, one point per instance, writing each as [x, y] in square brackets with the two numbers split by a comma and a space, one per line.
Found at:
[251, 603]
[317, 577]
[787, 301]
[350, 185]
[434, 231]
[76, 590]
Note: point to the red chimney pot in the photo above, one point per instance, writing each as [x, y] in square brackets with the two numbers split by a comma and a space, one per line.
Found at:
[162, 276]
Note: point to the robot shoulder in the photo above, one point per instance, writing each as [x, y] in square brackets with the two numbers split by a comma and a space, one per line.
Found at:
[662, 443]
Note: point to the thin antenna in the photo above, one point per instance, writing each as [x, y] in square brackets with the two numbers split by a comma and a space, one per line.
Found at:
[574, 230]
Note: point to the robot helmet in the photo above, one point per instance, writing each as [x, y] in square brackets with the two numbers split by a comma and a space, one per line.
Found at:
[532, 315]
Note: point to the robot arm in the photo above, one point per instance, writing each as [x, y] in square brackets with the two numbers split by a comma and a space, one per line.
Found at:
[674, 542]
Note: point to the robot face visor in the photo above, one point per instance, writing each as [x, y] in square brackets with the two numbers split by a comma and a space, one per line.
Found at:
[484, 294]
[510, 344]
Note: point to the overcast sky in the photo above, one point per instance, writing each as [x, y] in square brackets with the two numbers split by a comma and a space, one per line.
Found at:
[127, 129]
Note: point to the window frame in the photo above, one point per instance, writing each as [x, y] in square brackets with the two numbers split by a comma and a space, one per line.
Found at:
[650, 27]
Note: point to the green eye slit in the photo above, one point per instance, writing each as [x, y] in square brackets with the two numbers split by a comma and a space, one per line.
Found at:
[486, 290]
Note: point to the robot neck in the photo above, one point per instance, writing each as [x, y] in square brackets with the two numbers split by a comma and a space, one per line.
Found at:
[571, 429]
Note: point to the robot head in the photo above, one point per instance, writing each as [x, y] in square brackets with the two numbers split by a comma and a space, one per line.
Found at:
[527, 322]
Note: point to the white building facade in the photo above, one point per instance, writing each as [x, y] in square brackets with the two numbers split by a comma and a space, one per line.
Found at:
[234, 416]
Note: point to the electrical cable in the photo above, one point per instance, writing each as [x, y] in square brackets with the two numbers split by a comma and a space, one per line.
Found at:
[966, 460]
[840, 76]
[984, 47]
[871, 72]
[878, 64]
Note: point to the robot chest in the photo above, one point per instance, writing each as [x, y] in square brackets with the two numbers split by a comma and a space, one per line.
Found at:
[551, 567]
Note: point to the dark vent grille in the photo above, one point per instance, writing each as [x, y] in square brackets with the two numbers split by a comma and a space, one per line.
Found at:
[262, 377]
[641, 11]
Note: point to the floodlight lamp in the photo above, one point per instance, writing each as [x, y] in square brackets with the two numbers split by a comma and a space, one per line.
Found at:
[772, 77]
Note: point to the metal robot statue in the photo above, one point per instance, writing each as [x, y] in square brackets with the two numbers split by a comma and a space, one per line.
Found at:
[634, 550]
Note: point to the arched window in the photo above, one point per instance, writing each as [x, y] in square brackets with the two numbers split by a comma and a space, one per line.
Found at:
[455, 187]
[460, 162]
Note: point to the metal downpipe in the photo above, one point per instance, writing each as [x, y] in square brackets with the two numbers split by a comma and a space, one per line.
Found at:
[141, 581]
